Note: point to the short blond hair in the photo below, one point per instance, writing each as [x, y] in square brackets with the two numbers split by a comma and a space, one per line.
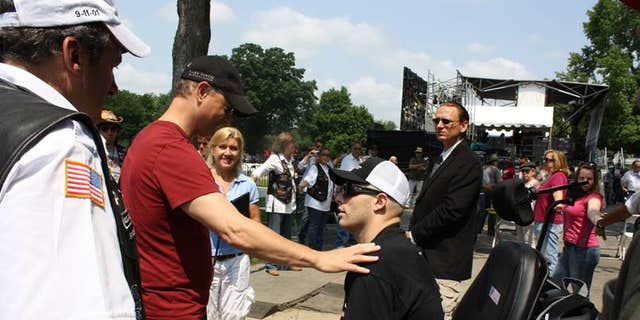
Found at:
[220, 136]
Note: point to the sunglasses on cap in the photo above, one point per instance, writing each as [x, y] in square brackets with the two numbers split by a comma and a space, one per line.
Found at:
[349, 189]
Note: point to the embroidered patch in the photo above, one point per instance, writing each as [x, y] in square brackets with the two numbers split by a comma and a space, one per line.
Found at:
[82, 181]
[494, 295]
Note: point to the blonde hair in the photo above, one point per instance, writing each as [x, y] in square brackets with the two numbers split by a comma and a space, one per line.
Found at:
[220, 136]
[281, 142]
[559, 161]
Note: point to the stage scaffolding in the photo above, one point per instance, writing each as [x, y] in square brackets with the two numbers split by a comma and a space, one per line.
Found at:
[420, 99]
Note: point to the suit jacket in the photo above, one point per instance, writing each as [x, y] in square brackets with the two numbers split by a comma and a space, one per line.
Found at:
[442, 222]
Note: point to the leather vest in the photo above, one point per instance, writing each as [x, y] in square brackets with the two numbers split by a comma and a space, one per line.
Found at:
[320, 189]
[281, 185]
[25, 119]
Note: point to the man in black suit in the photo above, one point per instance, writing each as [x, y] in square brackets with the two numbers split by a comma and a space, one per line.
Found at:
[442, 223]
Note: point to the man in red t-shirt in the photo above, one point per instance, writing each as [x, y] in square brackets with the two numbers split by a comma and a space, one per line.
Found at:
[173, 199]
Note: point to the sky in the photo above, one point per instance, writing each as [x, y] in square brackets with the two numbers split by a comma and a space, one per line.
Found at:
[364, 45]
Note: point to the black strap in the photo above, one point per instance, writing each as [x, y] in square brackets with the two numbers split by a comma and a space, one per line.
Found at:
[25, 119]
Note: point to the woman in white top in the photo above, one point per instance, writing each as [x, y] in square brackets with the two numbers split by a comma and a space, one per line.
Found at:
[281, 190]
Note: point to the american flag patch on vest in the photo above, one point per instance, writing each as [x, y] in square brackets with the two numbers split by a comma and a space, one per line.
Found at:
[82, 181]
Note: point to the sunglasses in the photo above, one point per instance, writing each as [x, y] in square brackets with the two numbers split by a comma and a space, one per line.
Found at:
[349, 189]
[549, 160]
[445, 121]
[525, 171]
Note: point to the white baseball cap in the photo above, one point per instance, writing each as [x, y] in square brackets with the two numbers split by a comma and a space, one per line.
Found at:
[380, 173]
[53, 13]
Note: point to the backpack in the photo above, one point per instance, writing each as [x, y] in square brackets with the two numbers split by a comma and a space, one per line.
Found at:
[566, 300]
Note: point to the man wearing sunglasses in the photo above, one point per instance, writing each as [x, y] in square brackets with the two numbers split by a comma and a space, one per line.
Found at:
[401, 284]
[441, 223]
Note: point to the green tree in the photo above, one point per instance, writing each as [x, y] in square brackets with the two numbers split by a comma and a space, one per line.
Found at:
[611, 57]
[338, 122]
[384, 125]
[137, 111]
[276, 88]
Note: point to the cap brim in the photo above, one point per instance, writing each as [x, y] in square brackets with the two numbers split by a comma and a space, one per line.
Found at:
[241, 105]
[128, 40]
[339, 177]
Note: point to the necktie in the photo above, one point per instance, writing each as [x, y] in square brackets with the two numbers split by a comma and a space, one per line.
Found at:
[436, 165]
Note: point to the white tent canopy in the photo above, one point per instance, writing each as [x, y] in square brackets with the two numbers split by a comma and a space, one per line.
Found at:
[512, 117]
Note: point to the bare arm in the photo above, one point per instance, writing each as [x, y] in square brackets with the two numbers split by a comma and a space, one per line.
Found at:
[593, 210]
[254, 213]
[216, 213]
[303, 184]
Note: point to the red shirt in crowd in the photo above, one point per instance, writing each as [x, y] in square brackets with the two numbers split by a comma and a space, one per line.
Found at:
[544, 200]
[578, 229]
[162, 171]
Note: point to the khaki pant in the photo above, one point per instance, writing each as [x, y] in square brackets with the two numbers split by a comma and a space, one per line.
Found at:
[450, 294]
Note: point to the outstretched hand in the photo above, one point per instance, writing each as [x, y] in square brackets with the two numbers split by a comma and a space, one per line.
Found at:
[346, 259]
[600, 232]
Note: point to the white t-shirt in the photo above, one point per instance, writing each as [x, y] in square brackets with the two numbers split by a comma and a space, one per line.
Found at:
[310, 177]
[274, 163]
[349, 162]
[59, 254]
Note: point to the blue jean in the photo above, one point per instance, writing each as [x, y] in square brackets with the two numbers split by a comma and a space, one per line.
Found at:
[317, 221]
[550, 245]
[577, 262]
[303, 225]
[281, 224]
[549, 248]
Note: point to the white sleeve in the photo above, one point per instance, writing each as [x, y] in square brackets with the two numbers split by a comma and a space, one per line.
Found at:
[59, 254]
[272, 164]
[312, 175]
[624, 181]
[633, 203]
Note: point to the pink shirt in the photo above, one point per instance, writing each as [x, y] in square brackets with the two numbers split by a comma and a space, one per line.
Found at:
[544, 200]
[578, 229]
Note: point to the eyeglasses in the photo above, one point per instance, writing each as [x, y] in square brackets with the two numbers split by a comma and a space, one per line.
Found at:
[109, 128]
[445, 121]
[228, 109]
[348, 190]
[549, 160]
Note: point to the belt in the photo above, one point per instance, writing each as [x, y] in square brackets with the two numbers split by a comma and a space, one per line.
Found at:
[227, 256]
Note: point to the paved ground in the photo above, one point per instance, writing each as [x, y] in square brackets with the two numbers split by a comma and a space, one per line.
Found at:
[312, 295]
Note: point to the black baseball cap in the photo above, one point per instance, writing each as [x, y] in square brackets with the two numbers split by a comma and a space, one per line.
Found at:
[220, 74]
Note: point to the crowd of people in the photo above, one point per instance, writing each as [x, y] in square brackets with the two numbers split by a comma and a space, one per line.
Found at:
[167, 231]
